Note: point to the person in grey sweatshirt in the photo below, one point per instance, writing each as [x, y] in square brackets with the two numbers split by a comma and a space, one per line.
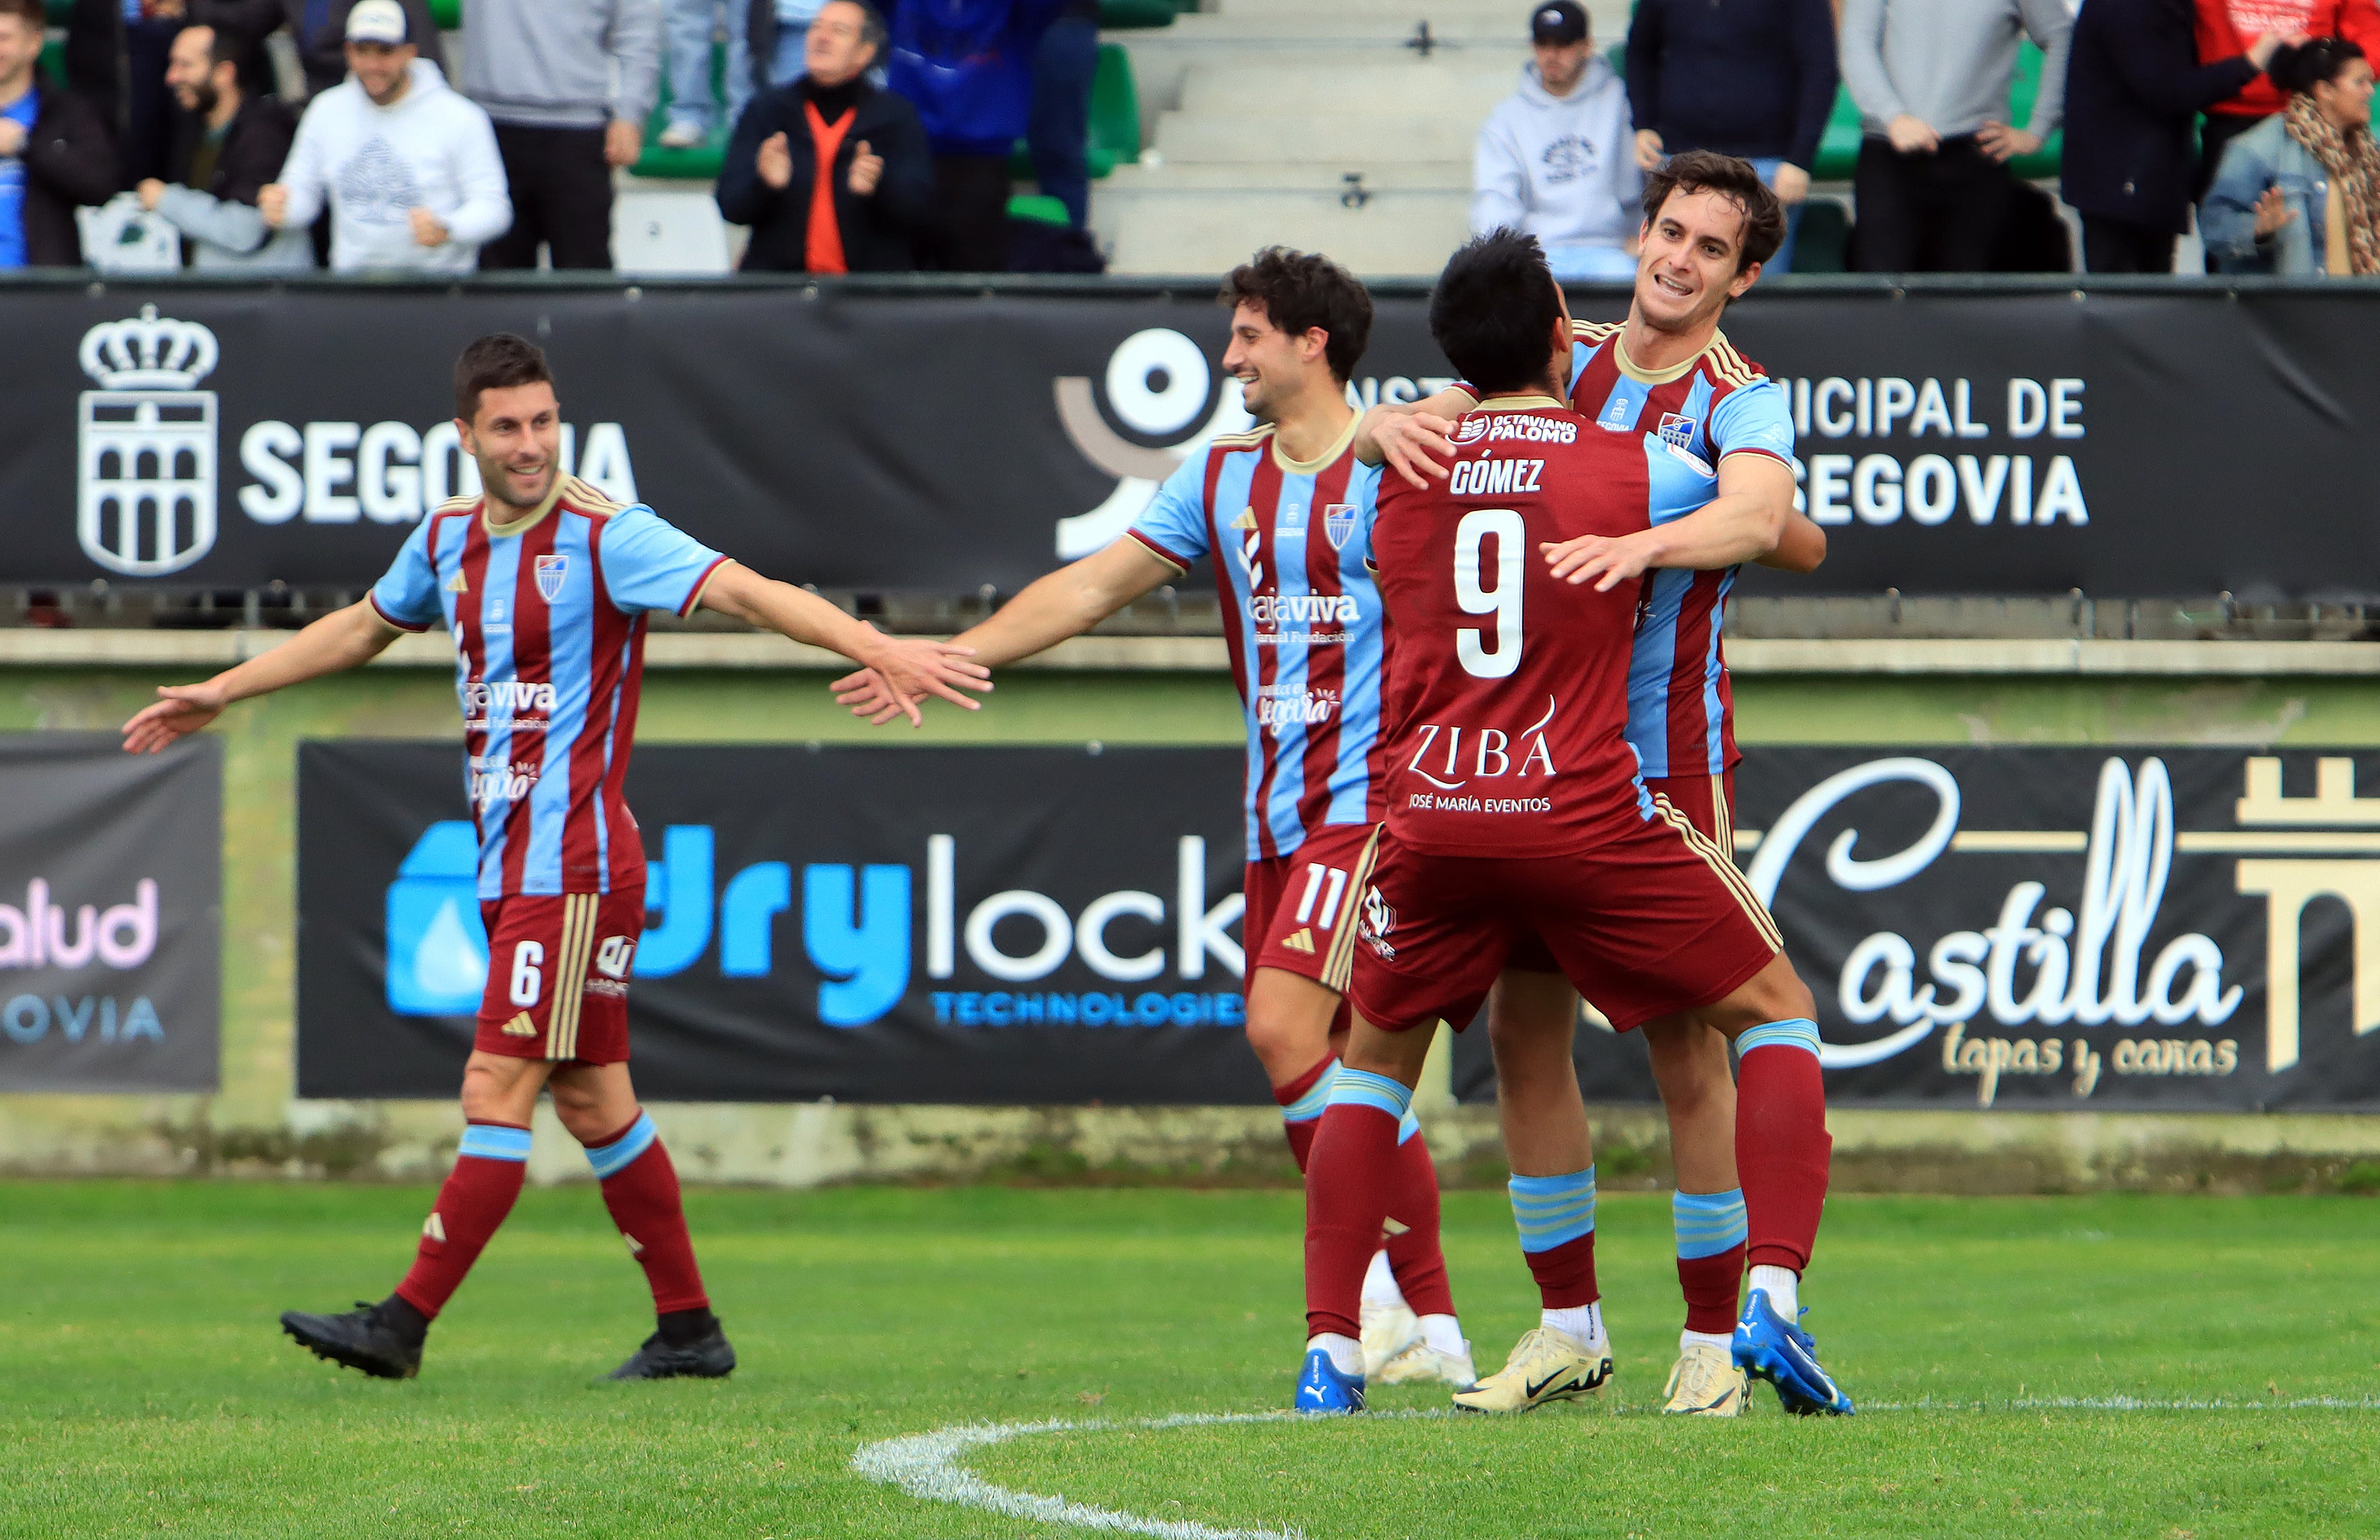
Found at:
[1558, 158]
[568, 84]
[1931, 80]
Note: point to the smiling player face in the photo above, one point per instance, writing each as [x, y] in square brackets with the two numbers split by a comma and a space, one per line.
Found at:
[1272, 366]
[1686, 260]
[516, 439]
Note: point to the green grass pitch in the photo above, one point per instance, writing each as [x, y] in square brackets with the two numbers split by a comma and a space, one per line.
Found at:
[144, 1389]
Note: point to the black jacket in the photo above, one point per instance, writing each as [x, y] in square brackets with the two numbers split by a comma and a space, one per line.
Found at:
[255, 145]
[69, 159]
[879, 232]
[1749, 78]
[2134, 92]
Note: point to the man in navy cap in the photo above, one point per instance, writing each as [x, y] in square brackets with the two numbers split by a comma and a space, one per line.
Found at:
[1557, 159]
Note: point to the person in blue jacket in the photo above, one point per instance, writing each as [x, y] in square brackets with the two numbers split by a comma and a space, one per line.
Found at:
[967, 67]
[2299, 195]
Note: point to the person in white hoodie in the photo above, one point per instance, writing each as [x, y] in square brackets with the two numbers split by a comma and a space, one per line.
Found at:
[1558, 158]
[407, 167]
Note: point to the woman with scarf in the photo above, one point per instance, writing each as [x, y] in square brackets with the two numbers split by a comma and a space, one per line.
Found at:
[2299, 195]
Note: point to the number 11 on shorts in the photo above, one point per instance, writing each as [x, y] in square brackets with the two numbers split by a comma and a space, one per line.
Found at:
[1315, 876]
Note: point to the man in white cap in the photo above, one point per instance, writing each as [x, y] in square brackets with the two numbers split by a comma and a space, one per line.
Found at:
[407, 168]
[1558, 158]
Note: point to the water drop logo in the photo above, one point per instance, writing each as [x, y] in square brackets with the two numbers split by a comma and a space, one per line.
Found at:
[437, 946]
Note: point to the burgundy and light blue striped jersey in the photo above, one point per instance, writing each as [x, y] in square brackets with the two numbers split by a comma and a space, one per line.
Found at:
[1680, 706]
[548, 616]
[1302, 616]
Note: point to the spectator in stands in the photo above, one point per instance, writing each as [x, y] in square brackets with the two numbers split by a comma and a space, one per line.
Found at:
[2299, 195]
[832, 175]
[688, 29]
[230, 146]
[1754, 78]
[1058, 135]
[55, 151]
[116, 57]
[407, 167]
[568, 84]
[2224, 29]
[1558, 158]
[1931, 79]
[967, 67]
[2133, 89]
[319, 27]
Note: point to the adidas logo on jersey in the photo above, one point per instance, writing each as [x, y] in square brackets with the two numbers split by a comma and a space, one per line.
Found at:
[1303, 942]
[457, 585]
[520, 1027]
[1248, 519]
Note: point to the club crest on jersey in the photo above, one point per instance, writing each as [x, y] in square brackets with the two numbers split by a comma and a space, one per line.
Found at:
[551, 571]
[1338, 523]
[1678, 430]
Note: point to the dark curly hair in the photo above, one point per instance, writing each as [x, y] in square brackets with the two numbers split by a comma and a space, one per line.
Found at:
[1493, 311]
[2300, 70]
[1733, 179]
[1300, 290]
[496, 362]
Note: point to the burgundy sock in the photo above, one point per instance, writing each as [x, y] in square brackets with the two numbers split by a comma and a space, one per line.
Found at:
[478, 1193]
[1414, 1255]
[640, 1189]
[1299, 1123]
[1781, 1149]
[1710, 1285]
[1347, 1186]
[1565, 1273]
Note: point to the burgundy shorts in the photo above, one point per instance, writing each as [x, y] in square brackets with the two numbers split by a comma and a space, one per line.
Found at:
[1301, 907]
[1653, 923]
[558, 975]
[1708, 803]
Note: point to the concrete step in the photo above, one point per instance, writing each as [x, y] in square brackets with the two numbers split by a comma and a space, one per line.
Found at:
[1209, 139]
[1396, 232]
[1608, 18]
[1465, 89]
[1287, 175]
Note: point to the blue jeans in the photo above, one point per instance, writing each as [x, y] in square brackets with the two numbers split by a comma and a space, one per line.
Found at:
[1058, 133]
[1783, 261]
[689, 26]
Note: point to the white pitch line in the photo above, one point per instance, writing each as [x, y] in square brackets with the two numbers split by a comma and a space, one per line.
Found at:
[927, 1464]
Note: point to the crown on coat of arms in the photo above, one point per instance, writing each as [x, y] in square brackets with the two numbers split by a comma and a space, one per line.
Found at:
[148, 352]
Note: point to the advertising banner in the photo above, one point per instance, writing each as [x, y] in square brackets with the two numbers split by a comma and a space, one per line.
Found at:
[2127, 928]
[1954, 439]
[883, 925]
[111, 914]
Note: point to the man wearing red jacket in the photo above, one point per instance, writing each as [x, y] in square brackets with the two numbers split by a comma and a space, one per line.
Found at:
[2227, 27]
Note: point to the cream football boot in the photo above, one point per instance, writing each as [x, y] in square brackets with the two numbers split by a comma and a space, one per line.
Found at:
[1547, 1366]
[1421, 1363]
[1390, 1332]
[1706, 1382]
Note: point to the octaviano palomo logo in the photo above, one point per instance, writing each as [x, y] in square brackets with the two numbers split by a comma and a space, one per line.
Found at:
[145, 467]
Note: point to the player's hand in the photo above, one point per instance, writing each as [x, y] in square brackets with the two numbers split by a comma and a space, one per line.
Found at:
[1599, 559]
[2003, 143]
[1913, 136]
[623, 143]
[867, 170]
[867, 696]
[1649, 149]
[1408, 440]
[180, 710]
[776, 162]
[915, 667]
[428, 229]
[1792, 184]
[2272, 212]
[151, 192]
[273, 202]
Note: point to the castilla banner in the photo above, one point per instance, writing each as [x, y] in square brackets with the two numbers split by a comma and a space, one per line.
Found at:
[2044, 930]
[1954, 439]
[111, 914]
[878, 924]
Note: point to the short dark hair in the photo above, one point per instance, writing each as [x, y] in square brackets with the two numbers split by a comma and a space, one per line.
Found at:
[1493, 311]
[223, 47]
[30, 12]
[498, 361]
[872, 30]
[1733, 179]
[2300, 70]
[1300, 290]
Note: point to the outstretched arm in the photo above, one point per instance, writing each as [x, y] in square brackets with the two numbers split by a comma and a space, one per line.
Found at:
[352, 636]
[911, 668]
[1065, 603]
[1744, 523]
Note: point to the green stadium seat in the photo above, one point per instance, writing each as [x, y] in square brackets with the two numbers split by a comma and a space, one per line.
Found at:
[1115, 119]
[1039, 209]
[1133, 15]
[448, 14]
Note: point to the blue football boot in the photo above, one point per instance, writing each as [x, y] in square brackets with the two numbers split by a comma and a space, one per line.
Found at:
[1769, 1347]
[1323, 1391]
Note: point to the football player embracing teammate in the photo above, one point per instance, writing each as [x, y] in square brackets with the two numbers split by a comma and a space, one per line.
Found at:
[545, 584]
[1516, 812]
[1285, 511]
[1718, 438]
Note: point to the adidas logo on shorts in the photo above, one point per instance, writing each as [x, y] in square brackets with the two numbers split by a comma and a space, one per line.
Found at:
[520, 1027]
[1303, 942]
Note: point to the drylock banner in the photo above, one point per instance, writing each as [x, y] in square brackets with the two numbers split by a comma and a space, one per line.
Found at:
[882, 925]
[111, 908]
[2125, 443]
[2141, 928]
